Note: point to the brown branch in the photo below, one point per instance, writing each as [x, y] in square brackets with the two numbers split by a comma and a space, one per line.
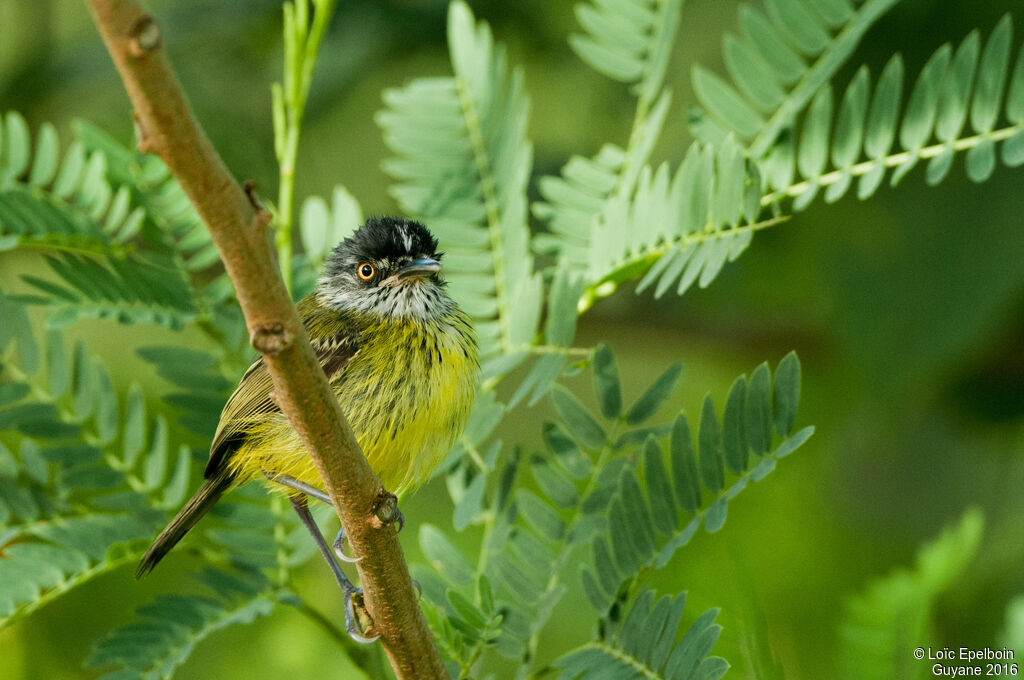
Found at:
[238, 224]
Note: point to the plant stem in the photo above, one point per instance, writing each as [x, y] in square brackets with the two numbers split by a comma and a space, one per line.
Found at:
[302, 44]
[238, 223]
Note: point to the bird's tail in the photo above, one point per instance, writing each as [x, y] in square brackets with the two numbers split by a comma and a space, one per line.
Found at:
[208, 494]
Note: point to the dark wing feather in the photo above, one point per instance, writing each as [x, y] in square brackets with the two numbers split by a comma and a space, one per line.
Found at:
[333, 341]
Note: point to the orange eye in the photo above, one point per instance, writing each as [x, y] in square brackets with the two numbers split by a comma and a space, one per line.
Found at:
[366, 271]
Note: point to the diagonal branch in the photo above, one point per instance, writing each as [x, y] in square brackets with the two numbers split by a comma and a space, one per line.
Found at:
[238, 224]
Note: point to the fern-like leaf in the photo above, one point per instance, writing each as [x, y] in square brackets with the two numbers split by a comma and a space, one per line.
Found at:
[45, 559]
[178, 226]
[678, 229]
[84, 477]
[172, 625]
[644, 646]
[629, 41]
[645, 529]
[894, 613]
[783, 56]
[70, 209]
[955, 86]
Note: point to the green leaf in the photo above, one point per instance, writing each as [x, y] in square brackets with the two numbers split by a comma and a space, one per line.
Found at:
[921, 107]
[776, 52]
[57, 369]
[648, 641]
[786, 393]
[442, 554]
[799, 25]
[558, 441]
[177, 485]
[156, 459]
[593, 590]
[758, 410]
[106, 408]
[46, 161]
[612, 63]
[714, 519]
[849, 130]
[684, 466]
[637, 514]
[752, 76]
[539, 515]
[1013, 148]
[981, 160]
[814, 137]
[169, 629]
[467, 610]
[939, 166]
[988, 89]
[32, 462]
[560, 327]
[622, 537]
[540, 379]
[710, 446]
[725, 103]
[81, 381]
[734, 436]
[8, 466]
[134, 425]
[608, 574]
[659, 489]
[881, 127]
[468, 507]
[1015, 96]
[652, 399]
[606, 382]
[12, 391]
[577, 418]
[956, 89]
[897, 609]
[28, 350]
[17, 141]
[554, 482]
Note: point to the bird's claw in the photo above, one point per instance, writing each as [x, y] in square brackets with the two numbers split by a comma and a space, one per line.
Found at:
[339, 548]
[352, 622]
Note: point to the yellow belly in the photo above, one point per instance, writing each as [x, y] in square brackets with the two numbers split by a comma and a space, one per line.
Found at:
[407, 395]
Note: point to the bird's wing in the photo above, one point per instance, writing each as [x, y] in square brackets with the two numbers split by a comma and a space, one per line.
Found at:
[251, 400]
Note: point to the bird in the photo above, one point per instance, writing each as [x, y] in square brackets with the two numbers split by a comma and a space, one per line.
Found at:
[399, 355]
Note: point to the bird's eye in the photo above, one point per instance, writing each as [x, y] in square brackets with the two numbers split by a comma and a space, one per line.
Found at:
[366, 271]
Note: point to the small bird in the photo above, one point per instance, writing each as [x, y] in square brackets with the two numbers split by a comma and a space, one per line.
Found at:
[401, 358]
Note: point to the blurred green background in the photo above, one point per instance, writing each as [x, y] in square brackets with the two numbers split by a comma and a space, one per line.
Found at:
[907, 312]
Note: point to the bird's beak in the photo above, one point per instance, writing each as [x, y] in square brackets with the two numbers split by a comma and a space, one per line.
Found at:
[425, 266]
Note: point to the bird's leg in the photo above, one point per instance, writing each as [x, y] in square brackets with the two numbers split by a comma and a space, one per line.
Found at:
[292, 483]
[351, 625]
[313, 492]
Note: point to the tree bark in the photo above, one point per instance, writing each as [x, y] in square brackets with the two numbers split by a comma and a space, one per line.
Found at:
[239, 225]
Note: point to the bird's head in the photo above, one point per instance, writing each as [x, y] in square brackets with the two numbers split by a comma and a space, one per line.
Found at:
[389, 268]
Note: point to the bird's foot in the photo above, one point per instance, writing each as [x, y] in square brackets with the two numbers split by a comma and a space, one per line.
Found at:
[339, 547]
[350, 592]
[386, 509]
[354, 600]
